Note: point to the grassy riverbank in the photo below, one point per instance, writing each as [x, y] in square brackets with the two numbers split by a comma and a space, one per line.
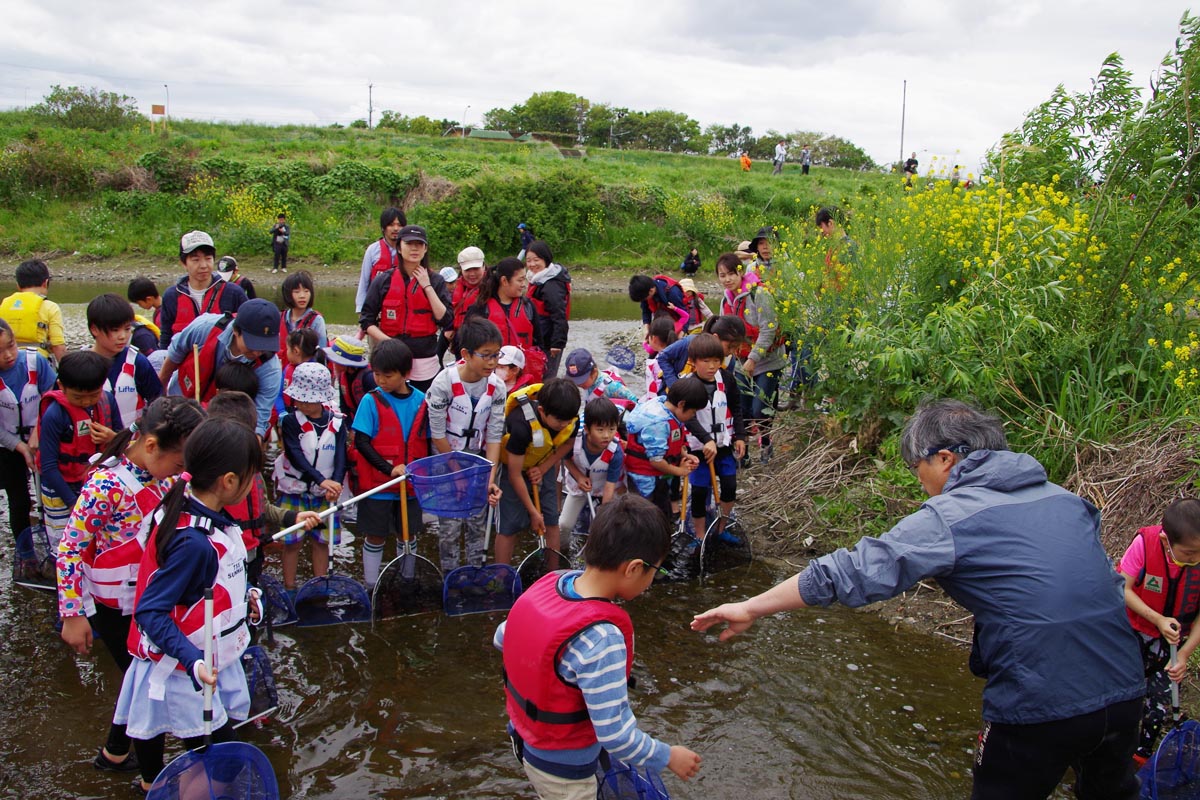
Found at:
[132, 192]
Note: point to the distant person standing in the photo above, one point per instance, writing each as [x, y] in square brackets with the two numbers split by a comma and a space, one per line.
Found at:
[780, 157]
[745, 161]
[281, 234]
[910, 169]
[380, 255]
[527, 238]
[805, 159]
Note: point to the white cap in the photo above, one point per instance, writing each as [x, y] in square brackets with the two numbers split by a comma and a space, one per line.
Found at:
[449, 274]
[470, 258]
[513, 356]
[193, 239]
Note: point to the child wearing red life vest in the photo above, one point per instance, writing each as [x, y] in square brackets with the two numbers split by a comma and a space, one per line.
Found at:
[99, 555]
[189, 546]
[309, 472]
[656, 447]
[568, 651]
[662, 335]
[25, 375]
[390, 431]
[131, 380]
[595, 467]
[717, 434]
[299, 297]
[77, 421]
[466, 413]
[1161, 568]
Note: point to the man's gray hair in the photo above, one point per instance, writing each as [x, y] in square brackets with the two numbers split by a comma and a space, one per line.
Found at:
[947, 424]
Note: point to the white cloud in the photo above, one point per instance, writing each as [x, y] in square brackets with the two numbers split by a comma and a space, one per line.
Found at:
[973, 69]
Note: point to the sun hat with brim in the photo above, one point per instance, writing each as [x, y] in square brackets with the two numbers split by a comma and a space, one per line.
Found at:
[311, 383]
[347, 351]
[470, 258]
[688, 285]
[258, 322]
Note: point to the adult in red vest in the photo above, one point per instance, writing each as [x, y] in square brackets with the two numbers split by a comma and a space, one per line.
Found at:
[198, 292]
[466, 289]
[550, 292]
[502, 300]
[382, 254]
[410, 303]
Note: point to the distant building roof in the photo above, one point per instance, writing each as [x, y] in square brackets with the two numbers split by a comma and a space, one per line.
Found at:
[477, 133]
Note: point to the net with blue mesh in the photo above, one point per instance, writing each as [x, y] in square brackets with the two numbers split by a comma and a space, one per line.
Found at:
[277, 604]
[230, 770]
[260, 680]
[451, 484]
[622, 358]
[478, 590]
[622, 782]
[332, 600]
[1174, 771]
[33, 564]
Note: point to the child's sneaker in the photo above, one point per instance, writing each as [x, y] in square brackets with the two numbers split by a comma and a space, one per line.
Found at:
[725, 537]
[103, 762]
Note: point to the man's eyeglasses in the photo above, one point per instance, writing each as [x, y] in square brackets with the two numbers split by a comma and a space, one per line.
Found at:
[659, 569]
[959, 449]
[486, 356]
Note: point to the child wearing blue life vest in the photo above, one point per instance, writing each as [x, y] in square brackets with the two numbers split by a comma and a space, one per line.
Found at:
[77, 421]
[25, 375]
[656, 448]
[466, 413]
[568, 648]
[390, 431]
[309, 473]
[594, 467]
[717, 434]
[1161, 568]
[132, 381]
[192, 545]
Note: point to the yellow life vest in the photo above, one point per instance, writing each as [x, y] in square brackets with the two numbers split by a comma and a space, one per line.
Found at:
[544, 443]
[22, 311]
[141, 322]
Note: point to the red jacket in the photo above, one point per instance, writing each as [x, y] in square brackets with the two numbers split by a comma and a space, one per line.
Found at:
[546, 711]
[76, 449]
[405, 310]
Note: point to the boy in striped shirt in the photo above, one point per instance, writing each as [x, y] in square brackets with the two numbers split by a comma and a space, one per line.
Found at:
[568, 650]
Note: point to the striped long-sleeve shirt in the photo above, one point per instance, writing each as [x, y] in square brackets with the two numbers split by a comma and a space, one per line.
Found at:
[595, 662]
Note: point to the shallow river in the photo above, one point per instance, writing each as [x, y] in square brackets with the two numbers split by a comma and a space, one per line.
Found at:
[828, 704]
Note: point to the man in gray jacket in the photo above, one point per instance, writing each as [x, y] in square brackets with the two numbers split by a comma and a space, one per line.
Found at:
[1064, 677]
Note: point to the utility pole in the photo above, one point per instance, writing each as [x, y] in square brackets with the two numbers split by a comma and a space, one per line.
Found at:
[371, 105]
[903, 107]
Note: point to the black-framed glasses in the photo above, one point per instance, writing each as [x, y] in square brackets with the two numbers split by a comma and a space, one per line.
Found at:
[486, 356]
[958, 449]
[661, 570]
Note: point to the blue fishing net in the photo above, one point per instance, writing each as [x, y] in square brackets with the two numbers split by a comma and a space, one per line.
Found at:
[332, 600]
[476, 590]
[409, 584]
[622, 358]
[276, 603]
[1174, 772]
[451, 484]
[264, 697]
[232, 770]
[33, 564]
[622, 782]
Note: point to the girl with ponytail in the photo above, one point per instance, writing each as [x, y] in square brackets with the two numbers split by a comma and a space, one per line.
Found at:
[99, 553]
[191, 545]
[503, 300]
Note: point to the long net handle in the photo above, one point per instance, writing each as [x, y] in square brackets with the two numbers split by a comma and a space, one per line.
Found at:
[404, 518]
[196, 363]
[336, 507]
[712, 471]
[683, 501]
[208, 664]
[1174, 685]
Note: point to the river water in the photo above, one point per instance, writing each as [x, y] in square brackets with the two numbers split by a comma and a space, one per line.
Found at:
[819, 704]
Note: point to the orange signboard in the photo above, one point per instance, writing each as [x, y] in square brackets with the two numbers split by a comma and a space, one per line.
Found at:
[158, 109]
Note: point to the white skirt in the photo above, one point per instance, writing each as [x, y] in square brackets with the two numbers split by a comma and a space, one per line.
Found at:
[181, 711]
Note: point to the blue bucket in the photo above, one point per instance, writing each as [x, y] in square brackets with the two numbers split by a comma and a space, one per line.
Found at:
[451, 484]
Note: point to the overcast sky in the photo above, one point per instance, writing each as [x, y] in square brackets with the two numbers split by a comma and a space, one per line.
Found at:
[973, 67]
